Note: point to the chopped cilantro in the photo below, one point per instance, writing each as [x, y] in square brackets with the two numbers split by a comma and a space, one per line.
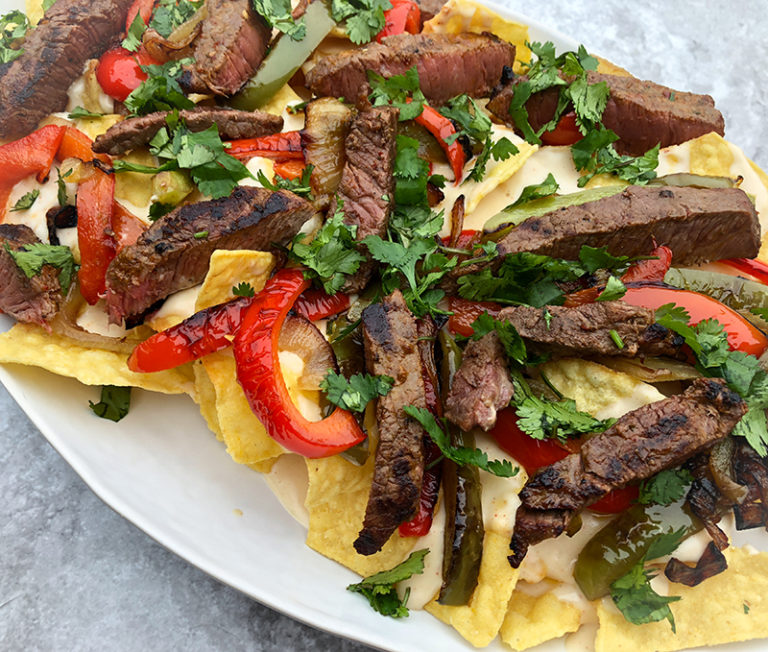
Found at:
[546, 188]
[114, 404]
[277, 13]
[31, 258]
[133, 38]
[243, 290]
[760, 312]
[616, 339]
[170, 14]
[401, 91]
[364, 18]
[161, 90]
[61, 191]
[380, 588]
[355, 392]
[548, 316]
[595, 154]
[298, 186]
[665, 488]
[201, 235]
[13, 28]
[157, 209]
[27, 201]
[508, 336]
[746, 607]
[614, 289]
[79, 112]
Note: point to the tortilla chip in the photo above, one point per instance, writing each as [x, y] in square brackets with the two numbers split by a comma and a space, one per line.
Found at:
[206, 398]
[460, 16]
[246, 438]
[607, 68]
[34, 10]
[229, 268]
[711, 155]
[480, 620]
[32, 345]
[336, 501]
[284, 97]
[729, 607]
[533, 620]
[265, 466]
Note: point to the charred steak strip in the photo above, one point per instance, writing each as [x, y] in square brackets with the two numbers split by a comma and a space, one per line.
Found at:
[391, 348]
[642, 114]
[55, 52]
[481, 385]
[174, 253]
[640, 444]
[137, 132]
[586, 330]
[35, 300]
[448, 65]
[699, 225]
[367, 186]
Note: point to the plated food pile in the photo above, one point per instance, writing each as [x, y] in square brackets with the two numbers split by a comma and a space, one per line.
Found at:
[491, 318]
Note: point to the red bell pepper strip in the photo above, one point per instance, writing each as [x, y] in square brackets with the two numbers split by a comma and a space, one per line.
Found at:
[565, 133]
[76, 144]
[755, 268]
[315, 304]
[653, 269]
[404, 16]
[126, 227]
[95, 207]
[292, 169]
[280, 147]
[442, 128]
[258, 372]
[465, 312]
[207, 331]
[143, 8]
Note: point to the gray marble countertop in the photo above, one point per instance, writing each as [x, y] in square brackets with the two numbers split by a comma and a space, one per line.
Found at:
[74, 575]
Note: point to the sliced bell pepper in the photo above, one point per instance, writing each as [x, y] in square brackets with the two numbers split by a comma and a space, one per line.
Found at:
[76, 144]
[258, 372]
[316, 304]
[280, 147]
[126, 227]
[403, 17]
[755, 268]
[290, 170]
[442, 128]
[95, 208]
[141, 7]
[465, 312]
[653, 269]
[565, 133]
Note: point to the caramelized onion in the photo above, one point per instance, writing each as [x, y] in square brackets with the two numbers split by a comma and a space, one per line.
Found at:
[722, 471]
[711, 563]
[164, 49]
[301, 336]
[457, 220]
[651, 370]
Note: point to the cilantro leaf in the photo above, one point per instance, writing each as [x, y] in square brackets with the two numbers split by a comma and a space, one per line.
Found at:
[546, 188]
[61, 191]
[243, 289]
[380, 587]
[13, 28]
[595, 258]
[133, 38]
[543, 419]
[277, 13]
[161, 90]
[595, 154]
[299, 186]
[614, 289]
[665, 488]
[354, 393]
[638, 602]
[508, 335]
[401, 91]
[170, 14]
[79, 112]
[114, 404]
[31, 258]
[364, 18]
[27, 201]
[157, 209]
[459, 454]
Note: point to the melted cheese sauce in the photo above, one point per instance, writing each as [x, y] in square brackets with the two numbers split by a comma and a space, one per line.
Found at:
[34, 217]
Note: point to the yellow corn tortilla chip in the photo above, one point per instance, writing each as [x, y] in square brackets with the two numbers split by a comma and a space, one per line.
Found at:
[336, 500]
[533, 620]
[265, 466]
[480, 620]
[711, 155]
[29, 344]
[284, 97]
[729, 607]
[606, 67]
[206, 398]
[229, 268]
[34, 10]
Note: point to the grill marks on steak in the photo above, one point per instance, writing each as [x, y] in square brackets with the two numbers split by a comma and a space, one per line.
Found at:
[136, 132]
[230, 48]
[55, 52]
[391, 348]
[642, 113]
[640, 444]
[168, 257]
[448, 65]
[35, 300]
[367, 185]
[698, 224]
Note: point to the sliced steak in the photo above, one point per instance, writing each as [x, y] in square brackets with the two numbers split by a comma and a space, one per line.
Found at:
[586, 330]
[174, 253]
[367, 186]
[481, 385]
[642, 113]
[137, 132]
[231, 45]
[698, 224]
[751, 470]
[448, 65]
[35, 300]
[640, 444]
[55, 52]
[391, 348]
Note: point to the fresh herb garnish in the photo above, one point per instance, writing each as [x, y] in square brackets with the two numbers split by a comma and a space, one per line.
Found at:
[616, 339]
[161, 90]
[514, 346]
[61, 186]
[665, 488]
[27, 201]
[243, 289]
[114, 404]
[401, 91]
[133, 38]
[459, 454]
[595, 154]
[614, 289]
[13, 28]
[170, 14]
[546, 188]
[157, 209]
[364, 18]
[201, 235]
[31, 258]
[354, 393]
[277, 13]
[299, 186]
[380, 588]
[79, 112]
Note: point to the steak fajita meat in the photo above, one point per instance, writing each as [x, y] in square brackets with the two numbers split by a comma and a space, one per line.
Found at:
[137, 132]
[642, 113]
[481, 385]
[586, 330]
[698, 224]
[36, 299]
[640, 444]
[55, 52]
[231, 45]
[448, 65]
[174, 253]
[366, 190]
[391, 348]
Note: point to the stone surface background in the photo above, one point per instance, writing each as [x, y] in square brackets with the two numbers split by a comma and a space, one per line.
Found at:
[74, 575]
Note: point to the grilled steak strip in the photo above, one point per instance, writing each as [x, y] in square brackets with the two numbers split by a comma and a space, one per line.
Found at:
[448, 65]
[367, 186]
[586, 330]
[231, 45]
[35, 300]
[640, 444]
[391, 348]
[168, 256]
[751, 470]
[698, 224]
[481, 385]
[137, 132]
[55, 52]
[642, 113]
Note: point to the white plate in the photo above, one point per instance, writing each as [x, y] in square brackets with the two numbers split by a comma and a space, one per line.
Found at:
[163, 470]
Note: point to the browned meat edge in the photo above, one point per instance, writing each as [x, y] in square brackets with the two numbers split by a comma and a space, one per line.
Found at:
[391, 348]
